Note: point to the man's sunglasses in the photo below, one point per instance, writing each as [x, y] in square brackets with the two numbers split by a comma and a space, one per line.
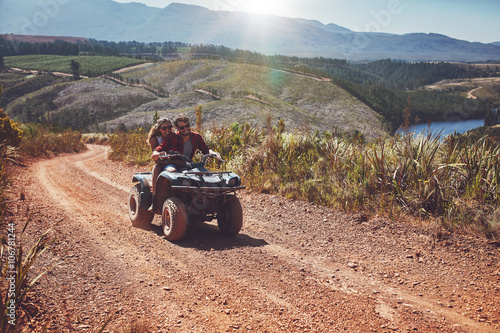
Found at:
[166, 128]
[183, 127]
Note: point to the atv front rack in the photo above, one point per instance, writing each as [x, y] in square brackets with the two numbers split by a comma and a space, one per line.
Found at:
[206, 172]
[207, 189]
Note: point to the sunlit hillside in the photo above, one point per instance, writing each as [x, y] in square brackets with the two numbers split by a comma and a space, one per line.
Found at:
[231, 92]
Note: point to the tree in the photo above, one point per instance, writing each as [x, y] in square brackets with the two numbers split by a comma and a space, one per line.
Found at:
[1, 60]
[198, 114]
[75, 69]
[492, 116]
[122, 128]
[281, 126]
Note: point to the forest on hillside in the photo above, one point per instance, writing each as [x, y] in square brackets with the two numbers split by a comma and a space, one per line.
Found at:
[91, 47]
[14, 48]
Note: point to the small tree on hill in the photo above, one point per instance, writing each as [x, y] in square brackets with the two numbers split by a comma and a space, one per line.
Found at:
[1, 60]
[281, 126]
[198, 113]
[75, 69]
[492, 117]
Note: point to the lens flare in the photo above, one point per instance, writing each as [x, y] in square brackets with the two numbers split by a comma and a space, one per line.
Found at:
[263, 6]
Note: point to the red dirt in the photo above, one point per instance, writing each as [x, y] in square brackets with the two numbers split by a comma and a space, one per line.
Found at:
[295, 267]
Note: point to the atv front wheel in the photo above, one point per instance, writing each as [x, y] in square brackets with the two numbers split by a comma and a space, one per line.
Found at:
[174, 219]
[230, 217]
[139, 215]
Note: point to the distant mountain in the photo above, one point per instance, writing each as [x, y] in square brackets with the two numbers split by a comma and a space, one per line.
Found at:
[267, 34]
[331, 27]
[99, 19]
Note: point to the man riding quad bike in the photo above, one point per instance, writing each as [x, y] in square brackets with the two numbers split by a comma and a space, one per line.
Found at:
[189, 195]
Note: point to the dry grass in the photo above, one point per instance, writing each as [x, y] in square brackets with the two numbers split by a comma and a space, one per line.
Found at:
[403, 175]
[453, 181]
[40, 142]
[15, 272]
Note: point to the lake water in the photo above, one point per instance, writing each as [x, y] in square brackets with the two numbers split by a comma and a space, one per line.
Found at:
[448, 127]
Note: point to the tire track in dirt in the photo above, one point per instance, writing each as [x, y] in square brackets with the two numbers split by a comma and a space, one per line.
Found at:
[268, 278]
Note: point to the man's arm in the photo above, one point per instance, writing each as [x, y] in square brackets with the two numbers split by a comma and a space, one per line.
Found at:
[205, 150]
[199, 143]
[161, 147]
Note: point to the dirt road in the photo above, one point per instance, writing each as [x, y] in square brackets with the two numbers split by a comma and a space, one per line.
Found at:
[294, 267]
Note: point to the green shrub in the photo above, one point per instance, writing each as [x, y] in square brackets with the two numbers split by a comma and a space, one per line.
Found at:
[453, 180]
[130, 147]
[38, 141]
[4, 179]
[10, 134]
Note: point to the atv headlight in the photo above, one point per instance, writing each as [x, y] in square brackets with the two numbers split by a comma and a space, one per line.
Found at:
[232, 182]
[187, 182]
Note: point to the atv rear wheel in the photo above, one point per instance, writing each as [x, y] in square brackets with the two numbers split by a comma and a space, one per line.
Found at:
[230, 217]
[139, 215]
[174, 219]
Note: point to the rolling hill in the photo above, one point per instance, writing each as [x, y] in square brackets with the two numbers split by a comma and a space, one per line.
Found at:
[228, 93]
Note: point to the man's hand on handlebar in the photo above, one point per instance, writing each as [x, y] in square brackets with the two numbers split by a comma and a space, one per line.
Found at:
[215, 154]
[155, 155]
[162, 155]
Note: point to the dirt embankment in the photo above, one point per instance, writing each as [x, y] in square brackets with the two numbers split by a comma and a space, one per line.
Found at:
[294, 267]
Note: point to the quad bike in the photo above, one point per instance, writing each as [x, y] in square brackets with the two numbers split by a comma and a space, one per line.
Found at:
[189, 195]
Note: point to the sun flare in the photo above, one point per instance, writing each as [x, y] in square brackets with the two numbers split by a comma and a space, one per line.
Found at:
[264, 6]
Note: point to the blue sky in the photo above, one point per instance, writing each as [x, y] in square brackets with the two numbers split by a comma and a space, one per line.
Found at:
[474, 21]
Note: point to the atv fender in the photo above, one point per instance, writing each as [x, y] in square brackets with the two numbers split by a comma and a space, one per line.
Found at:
[145, 180]
[163, 190]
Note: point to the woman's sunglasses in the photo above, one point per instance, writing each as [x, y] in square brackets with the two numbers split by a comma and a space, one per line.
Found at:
[164, 128]
[183, 127]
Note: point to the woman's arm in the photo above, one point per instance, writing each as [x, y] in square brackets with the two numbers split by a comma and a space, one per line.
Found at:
[153, 142]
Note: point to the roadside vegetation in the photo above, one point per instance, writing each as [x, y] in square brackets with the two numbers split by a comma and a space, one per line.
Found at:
[450, 183]
[42, 142]
[17, 141]
[10, 137]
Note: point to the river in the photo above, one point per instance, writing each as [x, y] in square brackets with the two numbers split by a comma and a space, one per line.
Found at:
[448, 127]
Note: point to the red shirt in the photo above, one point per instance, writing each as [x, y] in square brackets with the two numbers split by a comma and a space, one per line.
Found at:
[169, 143]
[176, 143]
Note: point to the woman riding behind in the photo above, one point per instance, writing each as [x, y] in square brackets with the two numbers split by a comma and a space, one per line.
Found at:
[159, 132]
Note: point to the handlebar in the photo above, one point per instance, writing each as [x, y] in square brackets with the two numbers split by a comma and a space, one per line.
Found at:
[166, 156]
[217, 157]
